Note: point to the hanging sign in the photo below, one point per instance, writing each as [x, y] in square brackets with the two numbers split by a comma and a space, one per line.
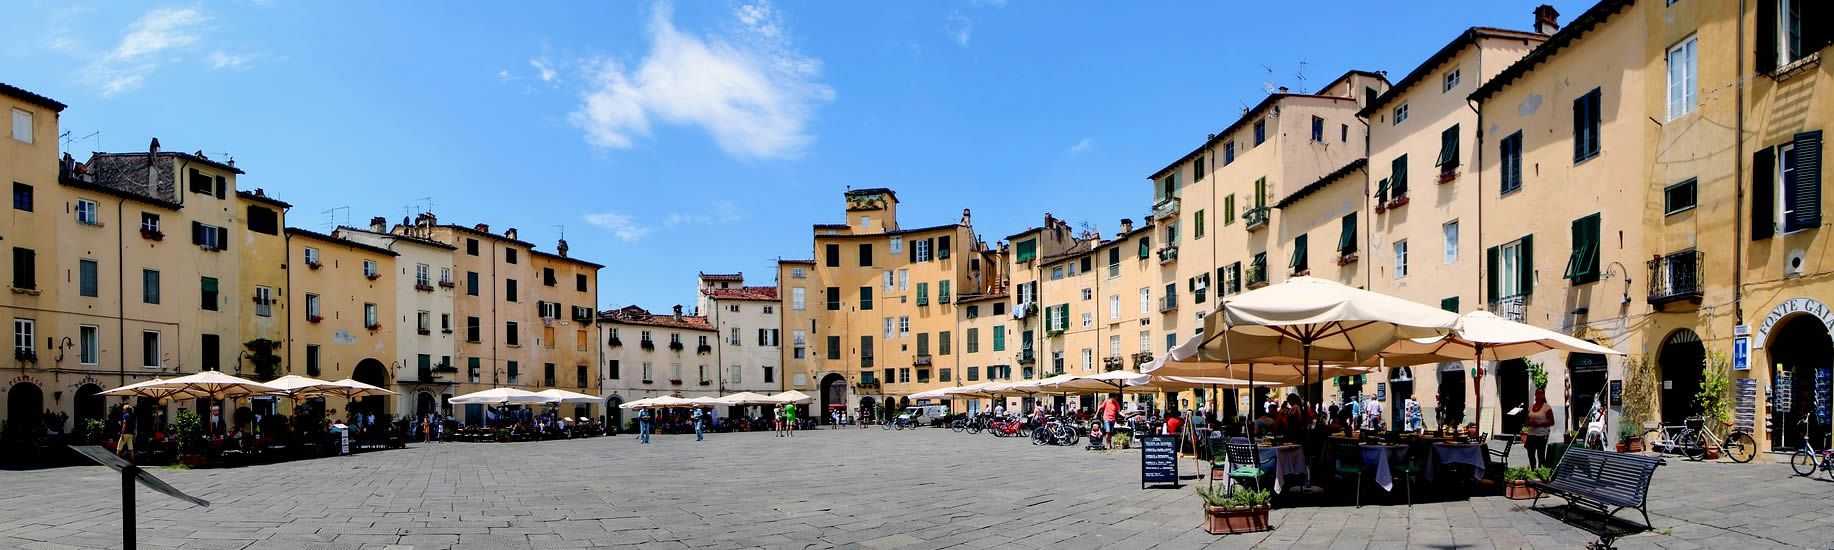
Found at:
[1741, 353]
[1158, 459]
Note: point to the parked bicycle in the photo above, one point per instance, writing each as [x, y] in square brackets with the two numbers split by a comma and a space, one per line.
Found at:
[1692, 439]
[1006, 427]
[1807, 460]
[1054, 432]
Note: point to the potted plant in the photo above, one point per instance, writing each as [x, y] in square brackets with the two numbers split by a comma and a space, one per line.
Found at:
[1628, 441]
[188, 430]
[1120, 440]
[1517, 479]
[1715, 396]
[1240, 511]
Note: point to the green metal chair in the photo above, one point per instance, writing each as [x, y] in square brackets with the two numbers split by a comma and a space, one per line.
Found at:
[1408, 469]
[1247, 465]
[1349, 457]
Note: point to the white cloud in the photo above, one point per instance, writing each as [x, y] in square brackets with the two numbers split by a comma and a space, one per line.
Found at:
[503, 75]
[224, 60]
[543, 70]
[748, 87]
[724, 211]
[1083, 145]
[987, 3]
[958, 28]
[621, 225]
[139, 52]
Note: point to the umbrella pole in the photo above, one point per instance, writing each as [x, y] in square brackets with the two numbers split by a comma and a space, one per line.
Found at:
[1477, 386]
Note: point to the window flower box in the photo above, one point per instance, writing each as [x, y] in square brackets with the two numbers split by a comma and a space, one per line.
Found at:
[374, 326]
[423, 288]
[703, 349]
[152, 234]
[1302, 273]
[424, 332]
[373, 276]
[614, 342]
[27, 355]
[675, 381]
[706, 382]
[314, 318]
[1447, 176]
[676, 346]
[1347, 259]
[647, 345]
[1397, 202]
[447, 284]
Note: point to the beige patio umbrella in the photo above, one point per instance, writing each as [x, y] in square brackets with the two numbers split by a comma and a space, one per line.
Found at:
[791, 396]
[294, 385]
[1483, 336]
[747, 398]
[1102, 382]
[494, 396]
[156, 389]
[216, 386]
[564, 396]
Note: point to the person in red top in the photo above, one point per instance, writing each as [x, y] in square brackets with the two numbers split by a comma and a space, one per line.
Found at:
[1172, 422]
[1108, 411]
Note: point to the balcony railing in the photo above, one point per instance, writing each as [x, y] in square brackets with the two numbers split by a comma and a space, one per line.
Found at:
[1142, 358]
[1026, 357]
[1114, 362]
[1255, 217]
[922, 360]
[1168, 303]
[1257, 276]
[1166, 208]
[867, 384]
[1168, 254]
[1676, 277]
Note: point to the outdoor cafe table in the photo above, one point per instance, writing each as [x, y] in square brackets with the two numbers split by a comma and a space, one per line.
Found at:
[1457, 453]
[1382, 457]
[1286, 460]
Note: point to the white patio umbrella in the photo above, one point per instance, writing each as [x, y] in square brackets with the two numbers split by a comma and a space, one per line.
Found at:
[352, 389]
[1103, 382]
[216, 385]
[500, 396]
[747, 398]
[932, 394]
[294, 385]
[564, 396]
[637, 404]
[791, 396]
[1483, 336]
[155, 389]
[1302, 320]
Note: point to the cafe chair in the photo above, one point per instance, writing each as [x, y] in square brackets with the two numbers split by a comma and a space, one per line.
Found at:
[1349, 458]
[1407, 470]
[1247, 465]
[1496, 462]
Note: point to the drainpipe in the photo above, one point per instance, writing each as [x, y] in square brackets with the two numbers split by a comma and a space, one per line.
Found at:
[1738, 171]
[121, 289]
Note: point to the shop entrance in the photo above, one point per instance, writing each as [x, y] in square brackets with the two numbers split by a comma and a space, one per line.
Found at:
[1680, 365]
[1450, 403]
[1400, 387]
[833, 395]
[1588, 384]
[1799, 354]
[1512, 394]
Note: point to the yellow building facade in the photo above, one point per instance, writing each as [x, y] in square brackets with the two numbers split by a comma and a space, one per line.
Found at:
[344, 317]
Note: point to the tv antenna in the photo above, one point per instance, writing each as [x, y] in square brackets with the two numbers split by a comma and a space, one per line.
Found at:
[97, 145]
[563, 231]
[331, 217]
[1301, 76]
[1268, 85]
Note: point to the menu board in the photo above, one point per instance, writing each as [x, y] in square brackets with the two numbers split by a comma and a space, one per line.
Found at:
[1158, 459]
[1617, 393]
[1745, 404]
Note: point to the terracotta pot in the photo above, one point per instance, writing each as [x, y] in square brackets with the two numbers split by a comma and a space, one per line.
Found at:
[1712, 453]
[1635, 445]
[191, 460]
[1519, 490]
[1220, 520]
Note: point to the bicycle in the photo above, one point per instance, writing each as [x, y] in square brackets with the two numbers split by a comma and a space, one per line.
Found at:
[1807, 460]
[1692, 439]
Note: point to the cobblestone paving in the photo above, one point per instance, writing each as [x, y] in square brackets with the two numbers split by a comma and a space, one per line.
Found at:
[848, 488]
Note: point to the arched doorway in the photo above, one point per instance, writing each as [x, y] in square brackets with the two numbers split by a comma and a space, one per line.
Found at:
[867, 412]
[1588, 377]
[25, 404]
[613, 414]
[904, 402]
[1512, 393]
[833, 394]
[1679, 361]
[1449, 405]
[425, 404]
[372, 372]
[1799, 352]
[89, 405]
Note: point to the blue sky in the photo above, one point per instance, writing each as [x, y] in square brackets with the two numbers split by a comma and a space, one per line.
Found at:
[699, 136]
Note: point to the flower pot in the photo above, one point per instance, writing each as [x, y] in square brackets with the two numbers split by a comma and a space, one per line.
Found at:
[1520, 490]
[1221, 520]
[191, 460]
[1634, 445]
[1712, 453]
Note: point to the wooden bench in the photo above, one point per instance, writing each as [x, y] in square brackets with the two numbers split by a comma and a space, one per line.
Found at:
[1607, 482]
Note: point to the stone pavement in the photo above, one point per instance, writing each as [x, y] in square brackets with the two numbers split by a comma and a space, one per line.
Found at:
[848, 488]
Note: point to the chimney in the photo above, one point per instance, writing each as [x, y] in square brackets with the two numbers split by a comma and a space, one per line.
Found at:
[152, 169]
[378, 224]
[965, 218]
[561, 248]
[1547, 21]
[1283, 89]
[482, 227]
[510, 233]
[677, 312]
[259, 192]
[1127, 226]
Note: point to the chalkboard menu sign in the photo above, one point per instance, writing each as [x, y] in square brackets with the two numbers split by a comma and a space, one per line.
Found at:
[1158, 459]
[1617, 393]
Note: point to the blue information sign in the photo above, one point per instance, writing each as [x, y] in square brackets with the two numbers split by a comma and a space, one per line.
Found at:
[1741, 353]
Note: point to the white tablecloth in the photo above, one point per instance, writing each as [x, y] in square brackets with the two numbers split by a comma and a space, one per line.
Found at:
[1382, 457]
[1457, 453]
[1286, 460]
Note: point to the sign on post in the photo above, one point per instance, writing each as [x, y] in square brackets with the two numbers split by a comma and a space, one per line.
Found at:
[1158, 459]
[131, 474]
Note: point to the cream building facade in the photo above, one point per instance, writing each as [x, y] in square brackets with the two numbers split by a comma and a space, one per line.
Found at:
[345, 323]
[750, 348]
[425, 376]
[652, 355]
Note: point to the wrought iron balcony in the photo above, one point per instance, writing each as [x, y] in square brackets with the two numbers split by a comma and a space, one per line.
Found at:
[1677, 277]
[1168, 254]
[1255, 217]
[922, 360]
[1026, 357]
[1142, 358]
[1168, 303]
[1114, 362]
[1166, 208]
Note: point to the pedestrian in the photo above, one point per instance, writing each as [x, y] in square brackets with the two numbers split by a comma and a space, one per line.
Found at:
[1109, 410]
[698, 436]
[126, 442]
[1375, 414]
[643, 425]
[1414, 421]
[789, 418]
[1540, 420]
[777, 419]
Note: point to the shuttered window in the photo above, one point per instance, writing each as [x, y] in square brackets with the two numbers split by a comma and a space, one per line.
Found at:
[1582, 262]
[1397, 185]
[1509, 152]
[1299, 263]
[1763, 191]
[1801, 178]
[1346, 239]
[1585, 125]
[1449, 304]
[1448, 149]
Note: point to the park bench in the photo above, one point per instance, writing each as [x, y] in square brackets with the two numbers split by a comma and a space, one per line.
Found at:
[1607, 482]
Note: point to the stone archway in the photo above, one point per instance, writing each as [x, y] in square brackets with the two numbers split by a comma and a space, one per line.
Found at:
[1799, 353]
[90, 404]
[1679, 362]
[425, 404]
[25, 405]
[833, 395]
[374, 373]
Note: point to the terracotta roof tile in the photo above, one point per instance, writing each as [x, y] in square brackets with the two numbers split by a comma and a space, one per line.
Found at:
[754, 293]
[633, 315]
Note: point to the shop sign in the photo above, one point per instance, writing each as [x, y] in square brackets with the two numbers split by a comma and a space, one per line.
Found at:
[1158, 459]
[1741, 353]
[1803, 305]
[1617, 393]
[23, 379]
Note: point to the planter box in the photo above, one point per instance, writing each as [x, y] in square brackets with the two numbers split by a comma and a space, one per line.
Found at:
[191, 460]
[1228, 521]
[1519, 490]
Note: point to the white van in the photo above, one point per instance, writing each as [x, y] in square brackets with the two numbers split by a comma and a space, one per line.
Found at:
[920, 415]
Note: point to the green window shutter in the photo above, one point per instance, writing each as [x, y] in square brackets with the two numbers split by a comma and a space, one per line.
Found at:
[1582, 263]
[1197, 172]
[1229, 209]
[1261, 192]
[1381, 194]
[999, 338]
[923, 293]
[1399, 185]
[942, 292]
[1346, 241]
[942, 247]
[1491, 275]
[1448, 148]
[1146, 247]
[1528, 265]
[1449, 304]
[1198, 232]
[1803, 192]
[1298, 262]
[1763, 181]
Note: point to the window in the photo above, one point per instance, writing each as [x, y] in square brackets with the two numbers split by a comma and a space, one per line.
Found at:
[1582, 262]
[1449, 304]
[1168, 188]
[22, 196]
[22, 126]
[1346, 236]
[209, 237]
[1512, 269]
[1788, 31]
[923, 294]
[647, 372]
[904, 327]
[1679, 197]
[312, 306]
[1683, 94]
[798, 273]
[942, 291]
[210, 352]
[1025, 250]
[1146, 300]
[445, 325]
[1448, 149]
[423, 275]
[1400, 113]
[923, 343]
[1197, 169]
[1400, 258]
[865, 298]
[833, 254]
[1799, 182]
[1397, 180]
[865, 221]
[207, 287]
[999, 338]
[509, 256]
[312, 368]
[89, 344]
[1260, 131]
[264, 301]
[1585, 126]
[1510, 161]
[547, 374]
[474, 329]
[369, 315]
[1056, 275]
[511, 336]
[471, 283]
[1198, 231]
[149, 286]
[86, 212]
[1114, 306]
[1450, 230]
[1229, 209]
[369, 268]
[974, 373]
[904, 279]
[1088, 320]
[973, 340]
[890, 282]
[1228, 153]
[515, 372]
[797, 299]
[904, 376]
[23, 336]
[834, 298]
[86, 278]
[423, 321]
[1299, 263]
[471, 248]
[1171, 340]
[865, 254]
[312, 257]
[896, 245]
[262, 219]
[548, 310]
[1088, 359]
[834, 347]
[920, 251]
[1451, 80]
[1318, 129]
[509, 290]
[149, 349]
[733, 336]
